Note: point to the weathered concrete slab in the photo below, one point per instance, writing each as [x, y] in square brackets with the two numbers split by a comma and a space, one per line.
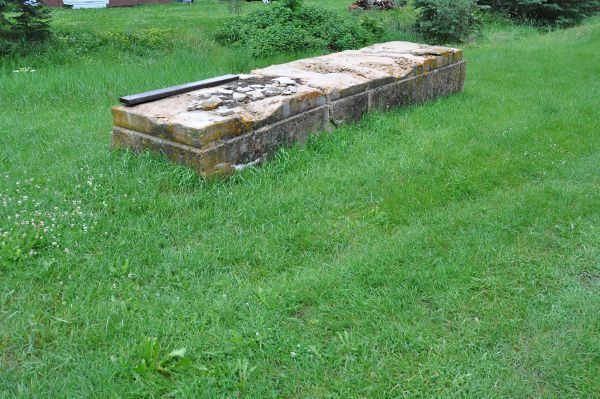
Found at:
[218, 130]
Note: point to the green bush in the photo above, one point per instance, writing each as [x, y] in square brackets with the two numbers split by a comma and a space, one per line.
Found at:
[553, 12]
[291, 26]
[444, 21]
[7, 47]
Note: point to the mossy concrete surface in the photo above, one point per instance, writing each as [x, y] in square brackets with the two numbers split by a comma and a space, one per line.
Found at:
[312, 95]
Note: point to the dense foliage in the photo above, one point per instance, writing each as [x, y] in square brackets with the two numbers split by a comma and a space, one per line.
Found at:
[556, 12]
[3, 10]
[22, 21]
[32, 21]
[291, 26]
[445, 21]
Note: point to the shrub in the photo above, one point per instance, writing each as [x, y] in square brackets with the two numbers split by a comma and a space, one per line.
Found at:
[7, 46]
[445, 21]
[291, 26]
[553, 12]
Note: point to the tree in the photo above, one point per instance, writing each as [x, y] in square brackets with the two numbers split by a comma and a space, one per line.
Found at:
[32, 21]
[556, 12]
[4, 24]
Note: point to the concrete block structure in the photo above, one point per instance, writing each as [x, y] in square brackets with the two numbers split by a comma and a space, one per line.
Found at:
[221, 129]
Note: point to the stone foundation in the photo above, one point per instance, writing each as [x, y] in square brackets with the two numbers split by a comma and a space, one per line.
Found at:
[216, 131]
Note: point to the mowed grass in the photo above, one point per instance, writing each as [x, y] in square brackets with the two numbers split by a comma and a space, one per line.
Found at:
[446, 250]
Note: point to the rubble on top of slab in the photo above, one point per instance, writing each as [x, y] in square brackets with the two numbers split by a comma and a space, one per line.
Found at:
[223, 98]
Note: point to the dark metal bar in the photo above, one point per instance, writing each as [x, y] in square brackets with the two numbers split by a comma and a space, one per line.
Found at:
[148, 96]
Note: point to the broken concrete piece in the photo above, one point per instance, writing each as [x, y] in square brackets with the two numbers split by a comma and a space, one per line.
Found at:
[285, 81]
[239, 96]
[271, 91]
[222, 111]
[325, 91]
[256, 95]
[194, 105]
[210, 103]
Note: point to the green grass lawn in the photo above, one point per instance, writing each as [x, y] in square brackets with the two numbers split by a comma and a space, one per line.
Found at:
[445, 250]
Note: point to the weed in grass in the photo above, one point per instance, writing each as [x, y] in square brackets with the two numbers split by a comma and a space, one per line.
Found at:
[152, 362]
[36, 223]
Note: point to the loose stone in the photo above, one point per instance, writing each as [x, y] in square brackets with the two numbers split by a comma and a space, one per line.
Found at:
[244, 89]
[226, 92]
[257, 86]
[292, 89]
[210, 103]
[193, 105]
[271, 91]
[204, 96]
[284, 81]
[224, 111]
[256, 95]
[239, 96]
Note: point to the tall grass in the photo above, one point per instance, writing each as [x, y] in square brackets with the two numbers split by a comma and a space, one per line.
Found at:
[444, 250]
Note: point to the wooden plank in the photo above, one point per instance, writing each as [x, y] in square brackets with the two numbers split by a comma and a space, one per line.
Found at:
[153, 95]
